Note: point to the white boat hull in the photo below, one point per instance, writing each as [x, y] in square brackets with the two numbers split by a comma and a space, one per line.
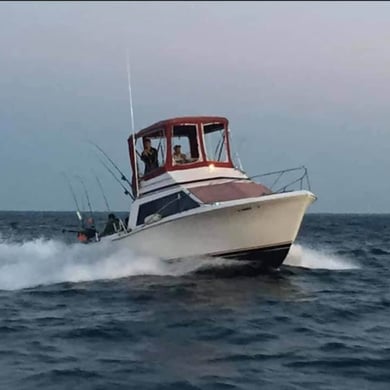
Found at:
[260, 229]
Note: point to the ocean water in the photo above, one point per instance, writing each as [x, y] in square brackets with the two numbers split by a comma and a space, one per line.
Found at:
[85, 317]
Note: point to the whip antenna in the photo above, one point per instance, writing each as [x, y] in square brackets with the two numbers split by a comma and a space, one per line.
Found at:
[132, 123]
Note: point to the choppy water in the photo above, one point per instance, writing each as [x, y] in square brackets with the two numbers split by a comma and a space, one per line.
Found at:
[75, 316]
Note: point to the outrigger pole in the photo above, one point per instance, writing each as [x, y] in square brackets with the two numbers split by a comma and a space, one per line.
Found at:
[132, 126]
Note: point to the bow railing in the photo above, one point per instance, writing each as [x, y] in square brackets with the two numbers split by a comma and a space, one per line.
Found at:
[294, 176]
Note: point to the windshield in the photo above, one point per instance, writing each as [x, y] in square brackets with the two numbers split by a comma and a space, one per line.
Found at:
[215, 142]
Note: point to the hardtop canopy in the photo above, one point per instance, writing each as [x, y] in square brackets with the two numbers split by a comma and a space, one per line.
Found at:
[194, 120]
[204, 140]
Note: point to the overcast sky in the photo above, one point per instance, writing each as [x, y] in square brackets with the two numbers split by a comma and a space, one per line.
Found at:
[302, 83]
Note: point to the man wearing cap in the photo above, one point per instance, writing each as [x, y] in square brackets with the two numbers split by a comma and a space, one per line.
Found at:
[149, 156]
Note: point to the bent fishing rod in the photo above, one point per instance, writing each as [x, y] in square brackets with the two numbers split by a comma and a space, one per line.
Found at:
[70, 231]
[127, 192]
[123, 177]
[86, 194]
[78, 213]
[102, 191]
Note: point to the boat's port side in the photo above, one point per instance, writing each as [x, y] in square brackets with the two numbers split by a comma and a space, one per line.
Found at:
[179, 199]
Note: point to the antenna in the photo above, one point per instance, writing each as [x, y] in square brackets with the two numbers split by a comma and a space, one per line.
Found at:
[236, 155]
[132, 125]
[239, 162]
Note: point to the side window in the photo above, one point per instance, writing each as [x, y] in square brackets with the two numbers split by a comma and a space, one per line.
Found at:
[151, 153]
[185, 144]
[168, 205]
[215, 142]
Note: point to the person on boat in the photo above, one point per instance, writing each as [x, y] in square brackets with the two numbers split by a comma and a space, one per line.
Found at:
[88, 232]
[112, 225]
[149, 156]
[90, 229]
[81, 236]
[178, 156]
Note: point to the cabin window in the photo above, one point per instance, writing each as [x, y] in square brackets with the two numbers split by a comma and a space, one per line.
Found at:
[185, 145]
[165, 206]
[215, 142]
[151, 152]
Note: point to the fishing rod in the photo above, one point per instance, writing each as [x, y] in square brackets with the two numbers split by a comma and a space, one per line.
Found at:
[70, 231]
[127, 192]
[78, 213]
[103, 194]
[86, 194]
[123, 177]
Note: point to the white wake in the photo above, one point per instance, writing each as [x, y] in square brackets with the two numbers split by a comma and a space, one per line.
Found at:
[304, 257]
[42, 262]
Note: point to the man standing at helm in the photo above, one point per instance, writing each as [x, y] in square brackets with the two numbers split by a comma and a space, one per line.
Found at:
[149, 156]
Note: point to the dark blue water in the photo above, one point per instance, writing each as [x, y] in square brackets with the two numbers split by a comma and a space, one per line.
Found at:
[74, 316]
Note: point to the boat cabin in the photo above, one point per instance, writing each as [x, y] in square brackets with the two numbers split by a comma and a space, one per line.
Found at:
[178, 145]
[180, 164]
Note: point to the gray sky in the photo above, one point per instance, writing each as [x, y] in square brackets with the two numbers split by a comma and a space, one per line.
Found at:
[301, 83]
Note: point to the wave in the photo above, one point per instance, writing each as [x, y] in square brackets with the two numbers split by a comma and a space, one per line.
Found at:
[304, 257]
[42, 262]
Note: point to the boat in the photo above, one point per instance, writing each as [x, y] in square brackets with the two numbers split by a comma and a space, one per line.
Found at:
[202, 203]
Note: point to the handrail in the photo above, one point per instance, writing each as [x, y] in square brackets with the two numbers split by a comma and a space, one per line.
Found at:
[300, 179]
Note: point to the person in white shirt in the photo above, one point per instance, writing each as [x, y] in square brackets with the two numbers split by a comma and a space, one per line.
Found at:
[178, 156]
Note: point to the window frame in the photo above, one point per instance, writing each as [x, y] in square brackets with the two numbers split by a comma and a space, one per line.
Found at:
[225, 142]
[158, 134]
[162, 203]
[200, 158]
